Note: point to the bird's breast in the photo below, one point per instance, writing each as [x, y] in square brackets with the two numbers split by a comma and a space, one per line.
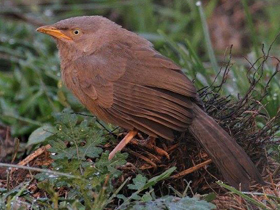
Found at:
[70, 79]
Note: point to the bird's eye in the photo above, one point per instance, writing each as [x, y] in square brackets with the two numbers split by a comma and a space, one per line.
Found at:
[76, 32]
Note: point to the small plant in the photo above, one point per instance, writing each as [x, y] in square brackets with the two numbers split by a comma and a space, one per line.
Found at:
[76, 149]
[81, 176]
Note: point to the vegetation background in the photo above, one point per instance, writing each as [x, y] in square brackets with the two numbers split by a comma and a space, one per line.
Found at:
[202, 37]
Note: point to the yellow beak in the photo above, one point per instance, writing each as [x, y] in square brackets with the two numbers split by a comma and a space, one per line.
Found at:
[52, 31]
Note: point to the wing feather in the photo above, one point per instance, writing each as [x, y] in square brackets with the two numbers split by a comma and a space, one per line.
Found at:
[137, 87]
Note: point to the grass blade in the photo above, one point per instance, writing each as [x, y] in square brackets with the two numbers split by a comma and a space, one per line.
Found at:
[246, 197]
[209, 46]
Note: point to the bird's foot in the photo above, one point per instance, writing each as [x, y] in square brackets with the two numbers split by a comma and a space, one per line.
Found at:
[150, 143]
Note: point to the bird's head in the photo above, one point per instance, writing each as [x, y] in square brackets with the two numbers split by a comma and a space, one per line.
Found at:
[81, 34]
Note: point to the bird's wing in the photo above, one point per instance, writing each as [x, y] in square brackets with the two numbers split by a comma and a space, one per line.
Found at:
[138, 86]
[97, 72]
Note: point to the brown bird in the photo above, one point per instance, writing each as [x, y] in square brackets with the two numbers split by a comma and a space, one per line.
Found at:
[123, 80]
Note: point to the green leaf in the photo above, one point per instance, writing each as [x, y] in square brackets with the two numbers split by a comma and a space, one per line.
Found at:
[110, 165]
[210, 197]
[187, 203]
[121, 196]
[172, 203]
[40, 135]
[160, 177]
[60, 151]
[150, 183]
[138, 182]
[90, 149]
[147, 197]
[67, 117]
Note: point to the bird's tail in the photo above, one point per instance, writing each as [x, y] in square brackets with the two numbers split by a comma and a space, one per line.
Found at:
[229, 157]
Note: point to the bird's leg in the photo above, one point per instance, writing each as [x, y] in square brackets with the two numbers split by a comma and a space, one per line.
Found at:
[123, 143]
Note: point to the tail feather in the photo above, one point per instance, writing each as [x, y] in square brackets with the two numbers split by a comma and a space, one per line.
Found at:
[234, 164]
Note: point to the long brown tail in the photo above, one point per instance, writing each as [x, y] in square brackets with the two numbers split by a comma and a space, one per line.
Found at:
[230, 158]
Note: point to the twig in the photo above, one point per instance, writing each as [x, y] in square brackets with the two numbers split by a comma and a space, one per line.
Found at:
[142, 157]
[192, 169]
[38, 170]
[32, 156]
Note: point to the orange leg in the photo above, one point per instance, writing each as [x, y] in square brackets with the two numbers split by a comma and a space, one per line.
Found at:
[123, 143]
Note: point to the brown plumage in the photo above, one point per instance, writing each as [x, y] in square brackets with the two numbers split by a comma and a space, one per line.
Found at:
[121, 79]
